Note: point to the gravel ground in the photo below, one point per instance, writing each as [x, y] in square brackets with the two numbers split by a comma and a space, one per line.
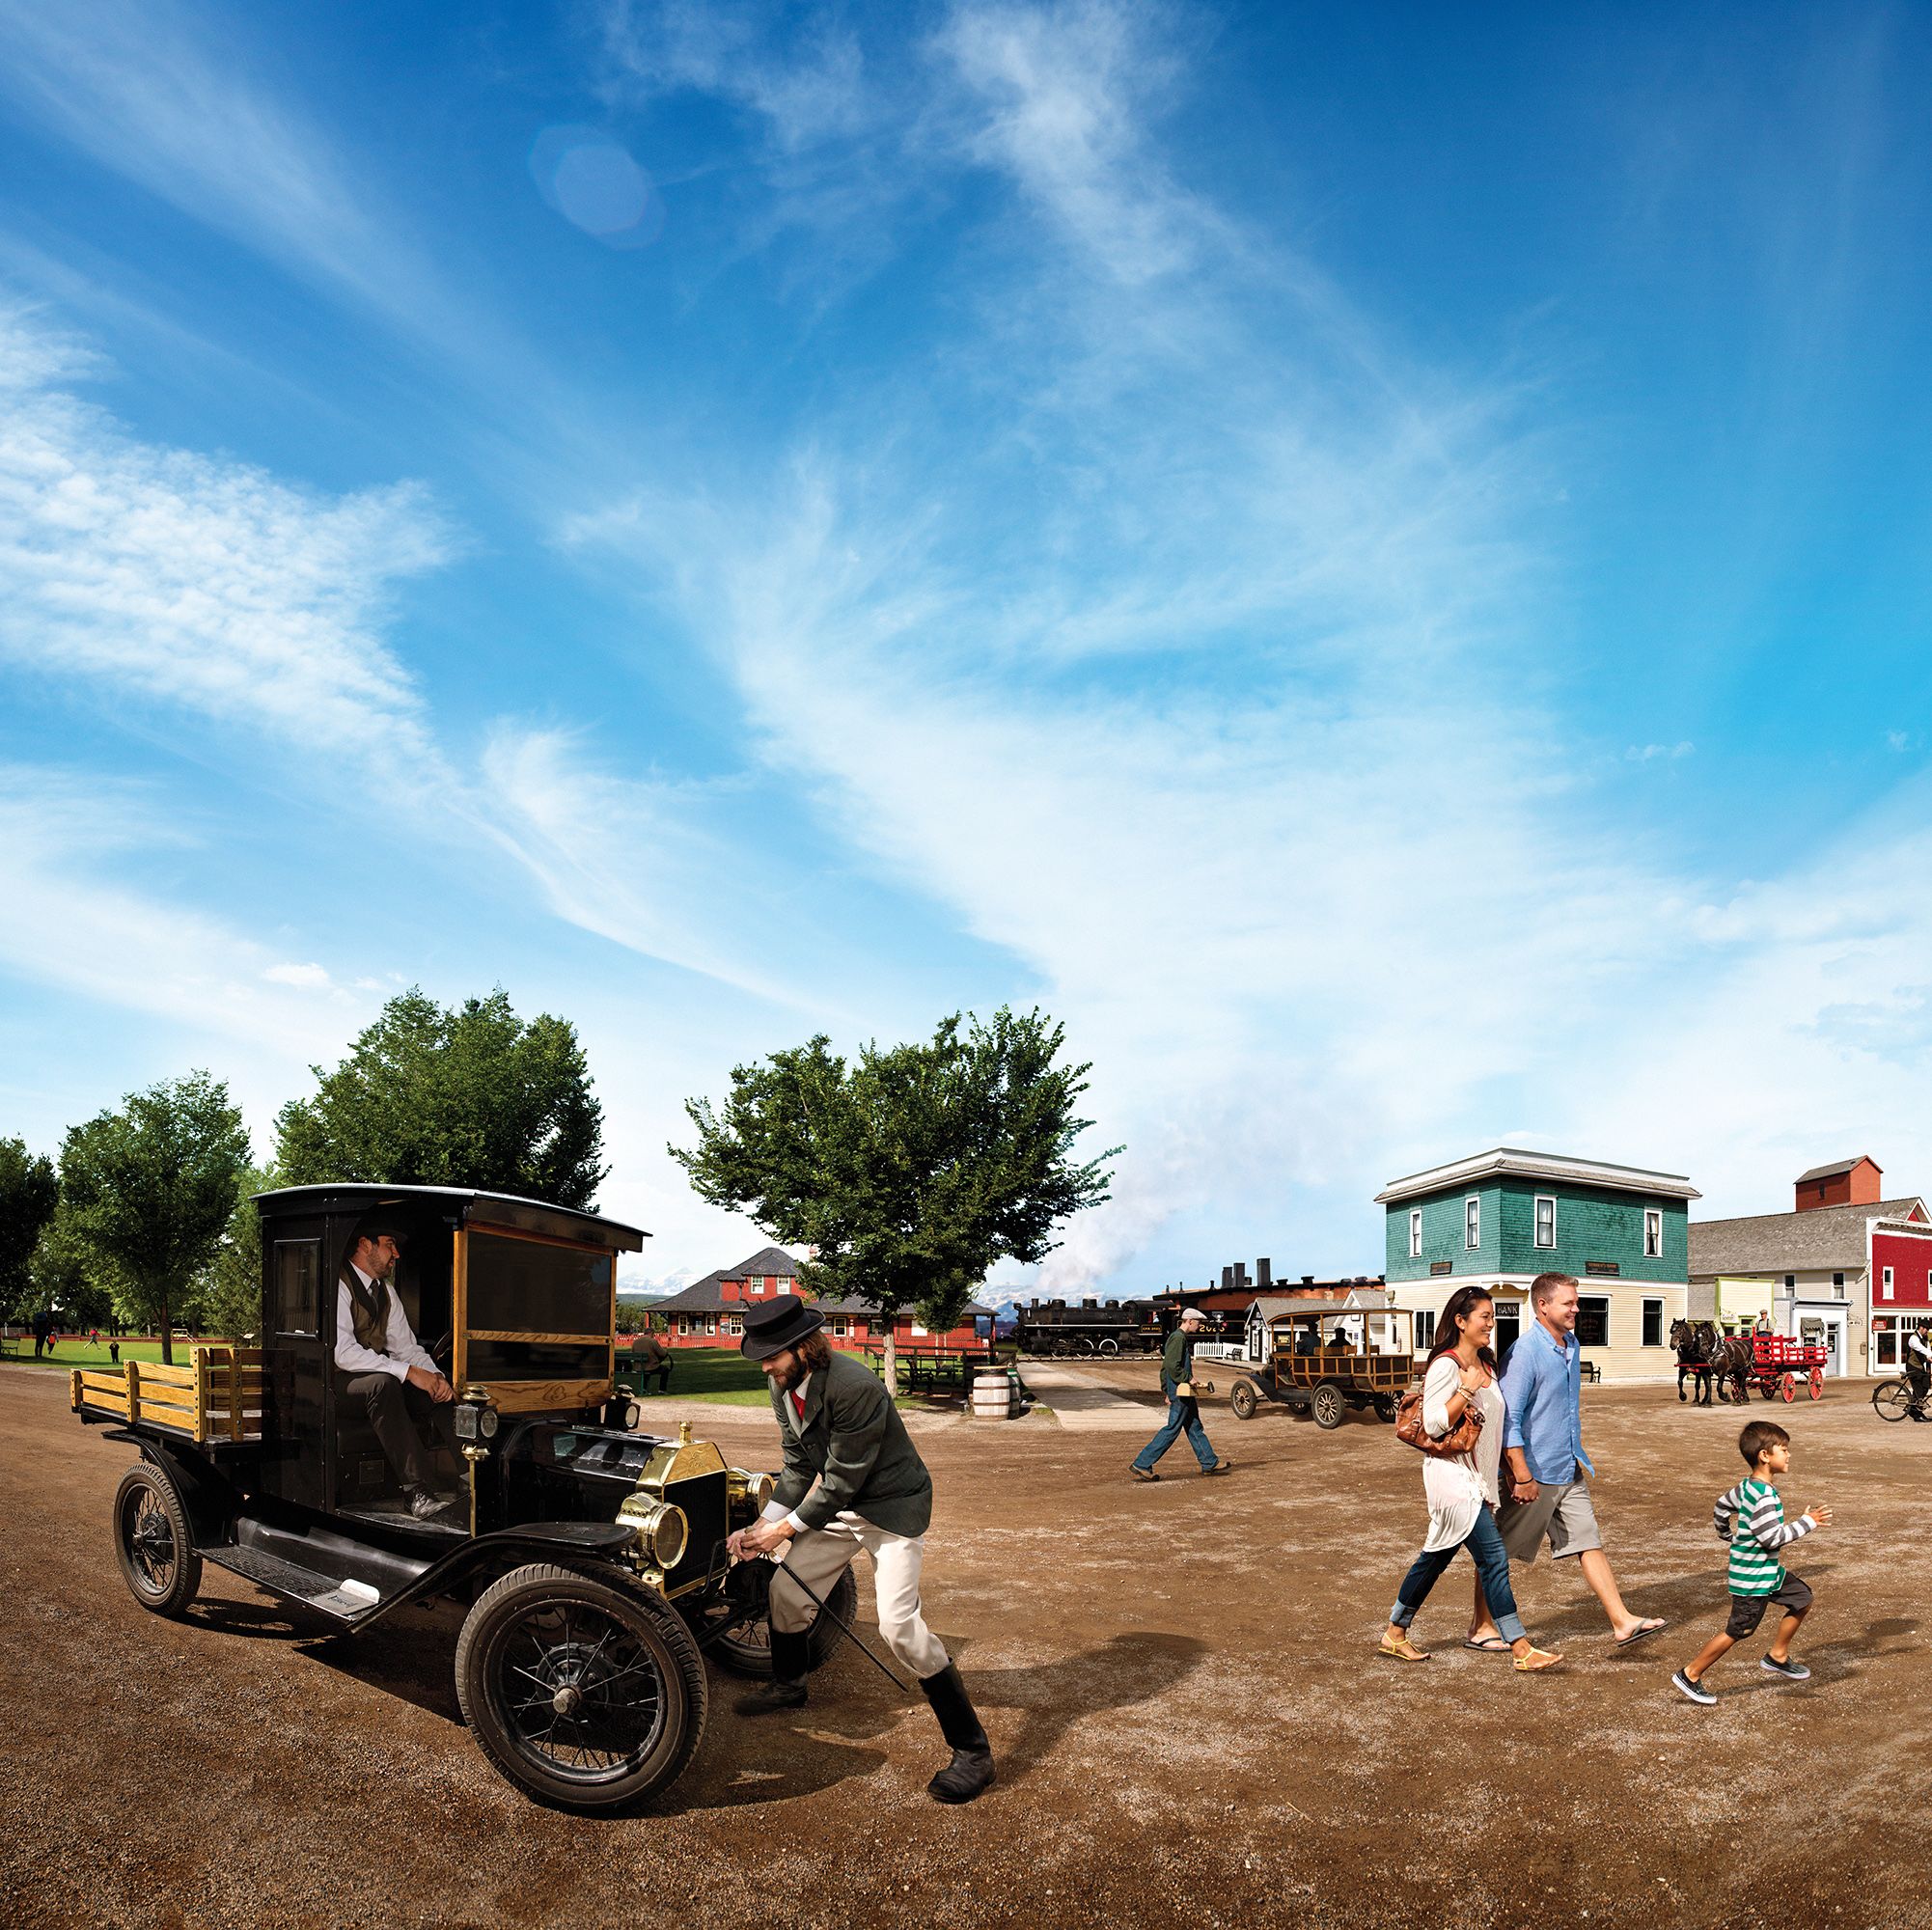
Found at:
[1178, 1681]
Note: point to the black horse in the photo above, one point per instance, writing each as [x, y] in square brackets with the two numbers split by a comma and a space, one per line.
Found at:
[1695, 1342]
[1730, 1367]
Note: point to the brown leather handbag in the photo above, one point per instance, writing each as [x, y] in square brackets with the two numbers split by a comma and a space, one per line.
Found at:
[1409, 1429]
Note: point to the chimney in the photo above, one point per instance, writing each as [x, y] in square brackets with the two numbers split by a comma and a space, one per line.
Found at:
[1264, 1273]
[1227, 1279]
[1308, 1280]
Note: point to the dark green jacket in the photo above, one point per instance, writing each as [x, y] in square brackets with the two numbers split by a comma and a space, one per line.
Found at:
[855, 1446]
[1177, 1357]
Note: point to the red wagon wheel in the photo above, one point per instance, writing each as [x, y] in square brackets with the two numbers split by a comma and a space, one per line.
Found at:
[1817, 1383]
[1787, 1386]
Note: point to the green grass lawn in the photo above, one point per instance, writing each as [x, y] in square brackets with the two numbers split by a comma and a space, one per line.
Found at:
[70, 1353]
[724, 1374]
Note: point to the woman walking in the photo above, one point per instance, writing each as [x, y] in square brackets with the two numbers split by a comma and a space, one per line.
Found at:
[1460, 1378]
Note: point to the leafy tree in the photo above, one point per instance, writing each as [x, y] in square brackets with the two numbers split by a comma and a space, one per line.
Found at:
[227, 1294]
[29, 1192]
[471, 1096]
[150, 1189]
[910, 1173]
[70, 1275]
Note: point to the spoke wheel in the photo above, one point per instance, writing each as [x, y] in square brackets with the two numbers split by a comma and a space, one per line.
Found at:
[588, 1693]
[154, 1541]
[1241, 1400]
[744, 1646]
[1327, 1406]
[1892, 1399]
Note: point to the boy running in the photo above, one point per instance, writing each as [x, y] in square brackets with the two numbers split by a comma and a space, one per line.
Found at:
[1751, 1517]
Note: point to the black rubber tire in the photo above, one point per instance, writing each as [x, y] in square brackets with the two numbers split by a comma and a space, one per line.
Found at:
[1327, 1406]
[1385, 1407]
[1242, 1400]
[154, 1541]
[527, 1601]
[747, 1650]
[1892, 1399]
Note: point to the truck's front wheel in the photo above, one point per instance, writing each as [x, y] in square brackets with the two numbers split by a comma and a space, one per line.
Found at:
[589, 1695]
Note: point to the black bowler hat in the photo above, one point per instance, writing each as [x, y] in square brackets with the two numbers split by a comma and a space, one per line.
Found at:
[771, 1326]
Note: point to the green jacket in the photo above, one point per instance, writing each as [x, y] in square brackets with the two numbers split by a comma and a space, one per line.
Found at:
[854, 1447]
[1177, 1357]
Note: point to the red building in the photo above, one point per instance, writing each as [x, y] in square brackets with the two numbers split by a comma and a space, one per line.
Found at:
[1845, 1183]
[710, 1311]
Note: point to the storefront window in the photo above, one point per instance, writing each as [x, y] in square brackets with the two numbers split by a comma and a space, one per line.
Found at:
[1592, 1321]
[1885, 1342]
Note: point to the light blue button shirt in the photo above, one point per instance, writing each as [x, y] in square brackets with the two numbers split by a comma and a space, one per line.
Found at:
[1542, 1389]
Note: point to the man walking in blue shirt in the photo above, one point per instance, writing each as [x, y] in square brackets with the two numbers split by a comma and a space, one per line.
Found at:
[1543, 1443]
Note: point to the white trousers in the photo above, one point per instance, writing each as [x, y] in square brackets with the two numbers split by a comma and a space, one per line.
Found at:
[819, 1555]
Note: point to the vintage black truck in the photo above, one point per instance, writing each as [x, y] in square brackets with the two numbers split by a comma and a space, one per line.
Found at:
[590, 1557]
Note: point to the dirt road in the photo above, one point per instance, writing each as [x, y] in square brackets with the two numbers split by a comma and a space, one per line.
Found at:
[1180, 1682]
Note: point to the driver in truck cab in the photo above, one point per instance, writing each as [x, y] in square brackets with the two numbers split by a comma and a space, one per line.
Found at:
[382, 1368]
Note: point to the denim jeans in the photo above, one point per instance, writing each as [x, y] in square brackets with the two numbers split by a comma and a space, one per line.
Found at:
[1183, 1417]
[1484, 1542]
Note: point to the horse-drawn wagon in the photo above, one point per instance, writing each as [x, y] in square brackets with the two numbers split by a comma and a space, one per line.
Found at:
[1325, 1359]
[1779, 1366]
[1732, 1365]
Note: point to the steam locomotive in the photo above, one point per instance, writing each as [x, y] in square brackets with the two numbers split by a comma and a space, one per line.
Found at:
[1090, 1327]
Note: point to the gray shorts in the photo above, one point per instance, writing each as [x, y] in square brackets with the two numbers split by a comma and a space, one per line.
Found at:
[1792, 1597]
[1561, 1511]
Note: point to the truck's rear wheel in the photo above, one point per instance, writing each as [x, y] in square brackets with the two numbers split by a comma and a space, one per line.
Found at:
[154, 1541]
[1327, 1405]
[589, 1695]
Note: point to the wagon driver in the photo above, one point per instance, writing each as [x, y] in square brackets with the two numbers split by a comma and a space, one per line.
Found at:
[852, 1479]
[382, 1368]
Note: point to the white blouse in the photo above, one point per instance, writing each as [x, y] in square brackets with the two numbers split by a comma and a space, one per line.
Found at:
[1456, 1485]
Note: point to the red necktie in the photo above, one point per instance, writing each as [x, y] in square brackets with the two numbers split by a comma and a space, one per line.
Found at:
[798, 1403]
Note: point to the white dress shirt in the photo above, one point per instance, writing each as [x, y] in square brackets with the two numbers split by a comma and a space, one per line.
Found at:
[1917, 1345]
[399, 1349]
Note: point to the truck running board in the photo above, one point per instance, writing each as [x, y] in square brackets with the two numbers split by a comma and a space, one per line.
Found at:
[346, 1602]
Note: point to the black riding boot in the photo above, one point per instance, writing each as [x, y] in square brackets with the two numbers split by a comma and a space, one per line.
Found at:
[790, 1657]
[971, 1770]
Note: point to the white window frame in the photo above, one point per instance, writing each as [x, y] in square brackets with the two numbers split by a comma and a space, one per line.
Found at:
[1426, 1329]
[1415, 1232]
[1542, 1244]
[1653, 1233]
[1651, 1300]
[1885, 1284]
[1472, 1223]
[1608, 1306]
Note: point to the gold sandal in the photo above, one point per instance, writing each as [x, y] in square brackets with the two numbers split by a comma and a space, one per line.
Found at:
[1537, 1659]
[1402, 1649]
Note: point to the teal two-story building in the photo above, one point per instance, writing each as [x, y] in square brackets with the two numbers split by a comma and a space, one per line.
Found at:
[1499, 1218]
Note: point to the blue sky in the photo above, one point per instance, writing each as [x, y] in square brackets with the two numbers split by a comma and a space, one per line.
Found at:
[1371, 561]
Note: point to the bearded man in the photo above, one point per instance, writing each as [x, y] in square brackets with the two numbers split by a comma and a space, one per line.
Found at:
[852, 1479]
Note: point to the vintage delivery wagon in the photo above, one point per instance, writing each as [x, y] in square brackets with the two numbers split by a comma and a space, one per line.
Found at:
[591, 1556]
[1325, 1357]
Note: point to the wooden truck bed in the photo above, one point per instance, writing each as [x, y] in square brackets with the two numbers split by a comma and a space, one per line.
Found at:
[216, 1397]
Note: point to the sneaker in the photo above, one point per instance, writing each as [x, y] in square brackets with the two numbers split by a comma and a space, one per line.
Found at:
[1692, 1691]
[1792, 1671]
[1142, 1474]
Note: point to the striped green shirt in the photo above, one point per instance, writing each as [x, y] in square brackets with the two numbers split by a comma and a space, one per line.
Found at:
[1751, 1517]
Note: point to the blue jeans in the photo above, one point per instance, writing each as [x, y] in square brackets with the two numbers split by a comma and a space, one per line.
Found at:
[1183, 1417]
[1484, 1542]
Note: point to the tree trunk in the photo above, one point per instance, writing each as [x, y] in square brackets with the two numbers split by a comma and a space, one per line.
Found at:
[167, 1333]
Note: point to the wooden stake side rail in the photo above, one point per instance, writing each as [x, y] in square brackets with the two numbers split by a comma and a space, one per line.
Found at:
[216, 1396]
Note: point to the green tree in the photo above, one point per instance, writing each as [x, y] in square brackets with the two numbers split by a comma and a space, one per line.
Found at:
[29, 1192]
[70, 1275]
[912, 1172]
[150, 1189]
[471, 1096]
[227, 1293]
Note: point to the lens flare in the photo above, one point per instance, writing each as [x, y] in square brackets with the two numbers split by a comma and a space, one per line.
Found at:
[592, 182]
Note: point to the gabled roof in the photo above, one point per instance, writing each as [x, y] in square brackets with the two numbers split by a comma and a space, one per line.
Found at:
[702, 1296]
[768, 1262]
[1513, 1162]
[1839, 1166]
[1824, 1237]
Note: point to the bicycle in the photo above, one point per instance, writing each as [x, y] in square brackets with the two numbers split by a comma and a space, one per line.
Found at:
[1892, 1399]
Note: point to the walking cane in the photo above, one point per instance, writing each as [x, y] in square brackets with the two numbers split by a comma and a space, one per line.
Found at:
[824, 1609]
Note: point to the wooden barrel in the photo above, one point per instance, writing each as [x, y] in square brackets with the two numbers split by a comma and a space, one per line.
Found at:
[993, 1395]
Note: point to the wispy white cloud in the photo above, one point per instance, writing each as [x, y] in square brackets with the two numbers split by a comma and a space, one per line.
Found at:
[1646, 754]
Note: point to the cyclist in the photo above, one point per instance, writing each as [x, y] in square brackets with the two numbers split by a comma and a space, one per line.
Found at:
[1918, 1370]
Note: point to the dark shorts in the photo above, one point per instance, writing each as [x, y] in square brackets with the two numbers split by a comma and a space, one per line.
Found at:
[1792, 1596]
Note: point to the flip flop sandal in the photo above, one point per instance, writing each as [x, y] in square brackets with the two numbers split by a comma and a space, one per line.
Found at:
[1490, 1645]
[1652, 1627]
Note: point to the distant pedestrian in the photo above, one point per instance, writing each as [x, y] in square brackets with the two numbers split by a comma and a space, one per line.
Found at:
[1460, 1379]
[1919, 1372]
[114, 1352]
[43, 1327]
[650, 1356]
[1543, 1444]
[1751, 1517]
[1183, 1409]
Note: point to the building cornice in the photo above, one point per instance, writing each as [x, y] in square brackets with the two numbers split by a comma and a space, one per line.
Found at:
[1513, 1163]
